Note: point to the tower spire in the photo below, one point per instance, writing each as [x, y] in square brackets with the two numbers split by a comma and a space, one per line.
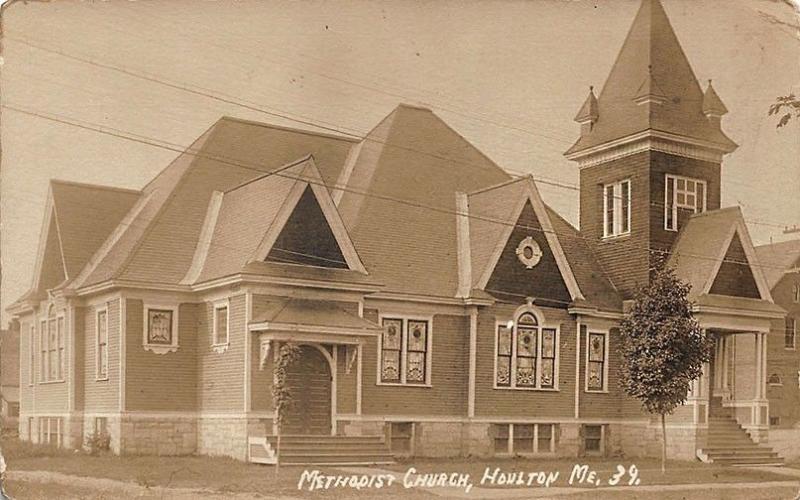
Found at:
[651, 87]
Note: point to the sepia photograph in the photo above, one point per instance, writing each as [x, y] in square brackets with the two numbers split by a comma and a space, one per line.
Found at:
[436, 249]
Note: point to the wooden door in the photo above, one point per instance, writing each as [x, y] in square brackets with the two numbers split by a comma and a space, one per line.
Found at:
[309, 379]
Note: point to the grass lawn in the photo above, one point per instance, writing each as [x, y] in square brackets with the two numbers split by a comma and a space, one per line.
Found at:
[223, 475]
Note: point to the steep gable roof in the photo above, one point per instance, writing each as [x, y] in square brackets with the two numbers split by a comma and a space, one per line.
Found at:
[494, 214]
[702, 245]
[160, 242]
[651, 86]
[777, 258]
[78, 219]
[399, 201]
[243, 224]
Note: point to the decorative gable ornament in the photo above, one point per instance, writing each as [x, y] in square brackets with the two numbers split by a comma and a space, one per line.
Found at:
[529, 252]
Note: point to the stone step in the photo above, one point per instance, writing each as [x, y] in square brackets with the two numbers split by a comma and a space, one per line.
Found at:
[751, 460]
[756, 451]
[329, 439]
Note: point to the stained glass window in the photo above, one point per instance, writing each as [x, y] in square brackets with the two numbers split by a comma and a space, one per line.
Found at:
[417, 350]
[404, 351]
[503, 375]
[526, 357]
[526, 354]
[548, 358]
[597, 360]
[391, 349]
[159, 330]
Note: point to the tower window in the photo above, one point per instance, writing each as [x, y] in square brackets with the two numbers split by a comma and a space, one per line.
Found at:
[617, 208]
[682, 193]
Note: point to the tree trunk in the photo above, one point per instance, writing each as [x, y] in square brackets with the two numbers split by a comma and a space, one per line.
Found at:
[278, 451]
[663, 444]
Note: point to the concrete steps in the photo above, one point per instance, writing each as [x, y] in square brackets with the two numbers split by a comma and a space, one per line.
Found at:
[329, 450]
[728, 444]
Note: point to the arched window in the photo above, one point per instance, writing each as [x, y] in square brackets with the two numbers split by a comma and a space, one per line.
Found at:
[526, 354]
[775, 379]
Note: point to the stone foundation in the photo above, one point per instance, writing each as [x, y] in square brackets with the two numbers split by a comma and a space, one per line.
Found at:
[158, 436]
[786, 442]
[223, 437]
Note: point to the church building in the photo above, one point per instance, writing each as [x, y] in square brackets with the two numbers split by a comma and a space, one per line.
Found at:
[442, 308]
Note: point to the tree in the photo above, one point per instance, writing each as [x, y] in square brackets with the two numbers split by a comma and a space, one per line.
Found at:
[788, 106]
[663, 347]
[282, 397]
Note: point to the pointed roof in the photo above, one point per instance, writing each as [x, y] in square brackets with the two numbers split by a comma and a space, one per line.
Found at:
[712, 104]
[412, 164]
[588, 112]
[493, 215]
[651, 62]
[778, 258]
[243, 224]
[158, 243]
[710, 234]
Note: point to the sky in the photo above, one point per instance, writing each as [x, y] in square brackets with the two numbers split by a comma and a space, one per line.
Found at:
[508, 75]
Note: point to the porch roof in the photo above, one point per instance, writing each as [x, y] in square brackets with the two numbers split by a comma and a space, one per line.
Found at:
[741, 305]
[307, 314]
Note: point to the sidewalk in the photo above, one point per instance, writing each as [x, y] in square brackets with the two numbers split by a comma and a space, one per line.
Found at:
[556, 492]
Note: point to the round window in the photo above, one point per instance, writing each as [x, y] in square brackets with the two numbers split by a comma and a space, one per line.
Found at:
[529, 252]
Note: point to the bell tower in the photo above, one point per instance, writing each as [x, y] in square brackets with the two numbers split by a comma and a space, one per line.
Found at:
[650, 151]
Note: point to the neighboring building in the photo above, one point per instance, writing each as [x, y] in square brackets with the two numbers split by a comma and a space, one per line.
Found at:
[439, 302]
[781, 263]
[9, 377]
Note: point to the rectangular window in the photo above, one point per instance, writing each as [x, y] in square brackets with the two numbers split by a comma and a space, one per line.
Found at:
[43, 364]
[682, 193]
[796, 293]
[501, 434]
[404, 351]
[617, 208]
[220, 325]
[545, 441]
[596, 362]
[526, 355]
[32, 355]
[789, 338]
[52, 350]
[503, 372]
[61, 347]
[159, 326]
[523, 439]
[593, 439]
[401, 434]
[101, 331]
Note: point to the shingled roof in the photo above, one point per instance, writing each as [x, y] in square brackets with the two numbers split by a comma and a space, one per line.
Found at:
[651, 87]
[777, 258]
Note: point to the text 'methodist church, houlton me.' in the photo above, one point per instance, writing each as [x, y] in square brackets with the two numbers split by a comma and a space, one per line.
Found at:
[439, 303]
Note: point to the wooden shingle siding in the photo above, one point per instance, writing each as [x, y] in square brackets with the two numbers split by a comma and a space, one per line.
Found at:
[735, 277]
[221, 375]
[625, 259]
[101, 395]
[448, 394]
[346, 382]
[513, 281]
[81, 338]
[26, 391]
[662, 164]
[261, 378]
[491, 402]
[161, 382]
[615, 403]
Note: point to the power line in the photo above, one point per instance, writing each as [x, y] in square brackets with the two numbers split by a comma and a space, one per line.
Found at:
[281, 173]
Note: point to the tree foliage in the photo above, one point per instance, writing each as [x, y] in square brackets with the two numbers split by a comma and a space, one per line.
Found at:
[663, 347]
[281, 392]
[787, 107]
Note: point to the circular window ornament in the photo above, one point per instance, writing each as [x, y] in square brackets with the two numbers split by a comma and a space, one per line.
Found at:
[529, 252]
